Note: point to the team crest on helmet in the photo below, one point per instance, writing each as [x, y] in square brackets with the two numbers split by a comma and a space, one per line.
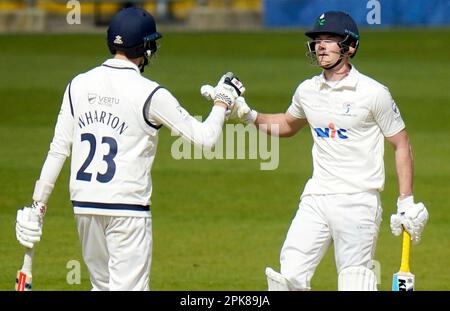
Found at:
[118, 40]
[321, 21]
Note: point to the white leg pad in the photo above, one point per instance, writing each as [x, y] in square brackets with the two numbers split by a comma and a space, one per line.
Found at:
[277, 282]
[357, 278]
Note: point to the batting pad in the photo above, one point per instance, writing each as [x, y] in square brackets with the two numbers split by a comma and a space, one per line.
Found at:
[357, 279]
[277, 282]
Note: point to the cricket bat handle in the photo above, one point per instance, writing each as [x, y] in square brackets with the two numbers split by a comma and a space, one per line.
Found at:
[406, 245]
[28, 260]
[24, 277]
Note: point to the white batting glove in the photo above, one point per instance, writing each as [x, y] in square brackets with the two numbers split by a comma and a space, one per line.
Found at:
[242, 113]
[235, 111]
[396, 224]
[227, 90]
[29, 223]
[208, 91]
[410, 216]
[235, 85]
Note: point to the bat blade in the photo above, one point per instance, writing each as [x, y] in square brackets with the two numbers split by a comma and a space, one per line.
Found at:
[23, 281]
[403, 281]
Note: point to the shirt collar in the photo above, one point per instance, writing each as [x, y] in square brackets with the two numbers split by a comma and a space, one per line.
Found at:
[349, 81]
[120, 64]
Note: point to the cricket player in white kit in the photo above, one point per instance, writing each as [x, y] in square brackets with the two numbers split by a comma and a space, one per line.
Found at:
[349, 115]
[109, 121]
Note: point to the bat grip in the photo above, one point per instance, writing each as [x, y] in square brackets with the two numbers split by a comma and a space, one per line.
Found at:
[28, 260]
[404, 267]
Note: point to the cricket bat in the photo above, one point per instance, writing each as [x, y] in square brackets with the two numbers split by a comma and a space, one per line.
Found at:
[23, 278]
[403, 280]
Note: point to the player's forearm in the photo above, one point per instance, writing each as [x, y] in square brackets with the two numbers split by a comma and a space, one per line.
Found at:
[207, 133]
[166, 110]
[201, 134]
[59, 151]
[274, 124]
[49, 173]
[405, 168]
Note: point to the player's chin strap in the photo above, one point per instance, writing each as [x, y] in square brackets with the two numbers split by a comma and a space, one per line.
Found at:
[150, 50]
[145, 60]
[341, 57]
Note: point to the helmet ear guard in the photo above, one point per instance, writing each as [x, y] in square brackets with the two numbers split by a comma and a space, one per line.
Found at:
[347, 43]
[150, 48]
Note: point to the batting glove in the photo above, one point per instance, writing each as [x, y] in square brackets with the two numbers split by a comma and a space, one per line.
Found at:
[227, 90]
[410, 216]
[29, 223]
[209, 92]
[242, 113]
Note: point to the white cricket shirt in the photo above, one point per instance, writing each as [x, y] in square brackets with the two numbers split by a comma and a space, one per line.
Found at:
[348, 123]
[109, 119]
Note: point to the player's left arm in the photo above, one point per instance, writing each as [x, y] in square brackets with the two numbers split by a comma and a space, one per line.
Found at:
[403, 162]
[410, 216]
[30, 219]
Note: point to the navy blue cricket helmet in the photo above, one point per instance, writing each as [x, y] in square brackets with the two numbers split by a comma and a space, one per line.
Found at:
[337, 23]
[133, 31]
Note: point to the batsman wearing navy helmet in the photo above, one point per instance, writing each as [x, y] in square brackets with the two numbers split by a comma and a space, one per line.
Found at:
[109, 122]
[349, 115]
[133, 32]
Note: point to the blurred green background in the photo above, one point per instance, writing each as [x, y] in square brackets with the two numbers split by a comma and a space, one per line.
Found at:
[218, 223]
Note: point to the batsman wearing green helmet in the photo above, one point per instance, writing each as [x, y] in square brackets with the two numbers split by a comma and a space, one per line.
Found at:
[350, 116]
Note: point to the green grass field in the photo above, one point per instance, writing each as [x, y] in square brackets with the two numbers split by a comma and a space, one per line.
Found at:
[218, 223]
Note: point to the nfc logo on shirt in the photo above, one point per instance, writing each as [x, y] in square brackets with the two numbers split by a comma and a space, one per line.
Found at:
[331, 132]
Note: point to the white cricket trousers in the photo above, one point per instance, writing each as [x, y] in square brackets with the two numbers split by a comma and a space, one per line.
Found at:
[117, 251]
[351, 221]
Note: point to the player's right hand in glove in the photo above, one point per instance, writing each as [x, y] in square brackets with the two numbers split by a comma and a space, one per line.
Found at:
[227, 90]
[29, 223]
[242, 113]
[410, 216]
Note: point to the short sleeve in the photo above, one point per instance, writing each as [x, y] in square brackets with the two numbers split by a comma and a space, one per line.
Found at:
[387, 114]
[296, 109]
